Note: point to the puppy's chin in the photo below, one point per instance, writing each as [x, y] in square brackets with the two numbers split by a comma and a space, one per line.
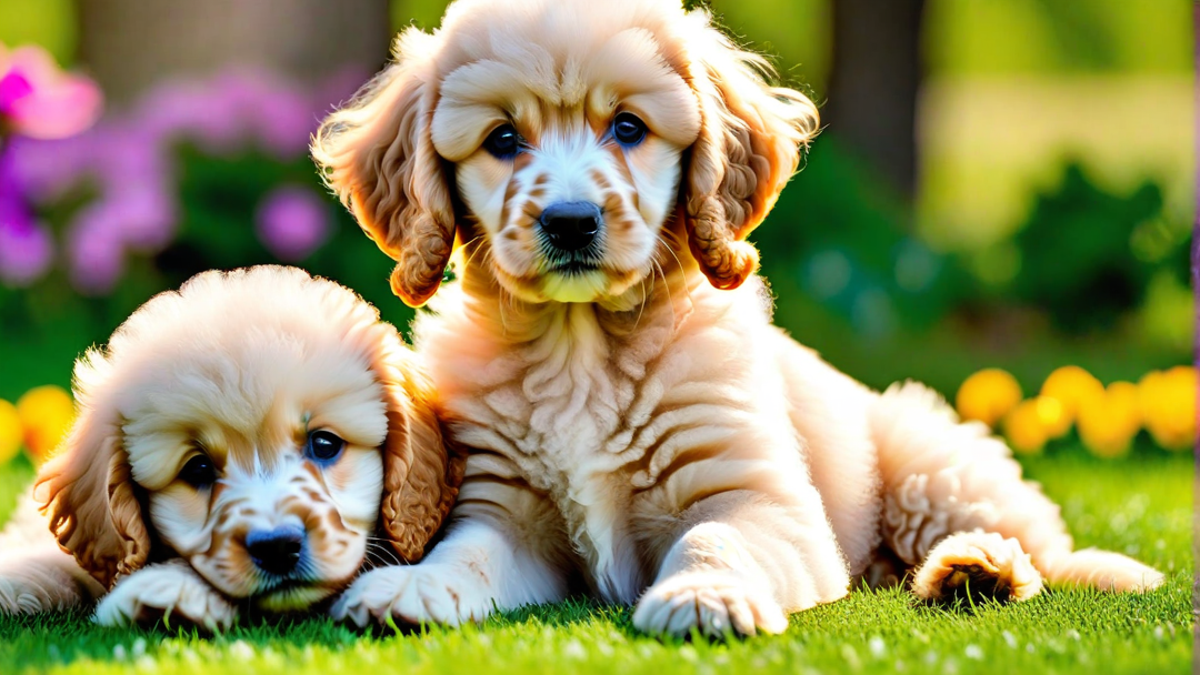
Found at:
[614, 289]
[292, 598]
[585, 286]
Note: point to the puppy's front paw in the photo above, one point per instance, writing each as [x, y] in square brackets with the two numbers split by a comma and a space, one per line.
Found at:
[979, 565]
[715, 602]
[171, 593]
[414, 594]
[35, 590]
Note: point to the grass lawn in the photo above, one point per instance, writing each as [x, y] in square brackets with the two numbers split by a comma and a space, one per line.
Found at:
[1141, 506]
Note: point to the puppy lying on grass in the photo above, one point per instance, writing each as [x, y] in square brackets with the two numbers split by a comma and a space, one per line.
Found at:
[249, 441]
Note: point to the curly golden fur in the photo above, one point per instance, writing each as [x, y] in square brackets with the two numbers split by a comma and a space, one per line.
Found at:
[238, 370]
[632, 417]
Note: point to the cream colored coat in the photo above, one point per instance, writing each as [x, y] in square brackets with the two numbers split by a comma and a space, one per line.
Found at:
[634, 419]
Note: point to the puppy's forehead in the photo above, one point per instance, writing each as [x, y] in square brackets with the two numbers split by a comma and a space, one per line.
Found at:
[235, 341]
[529, 63]
[248, 372]
[246, 403]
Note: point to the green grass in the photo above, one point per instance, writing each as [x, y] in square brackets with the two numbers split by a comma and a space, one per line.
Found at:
[1141, 506]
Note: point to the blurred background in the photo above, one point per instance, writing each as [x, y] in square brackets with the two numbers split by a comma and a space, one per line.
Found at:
[1000, 184]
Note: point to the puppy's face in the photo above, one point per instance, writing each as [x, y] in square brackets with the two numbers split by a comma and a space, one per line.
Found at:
[260, 460]
[261, 424]
[573, 145]
[567, 151]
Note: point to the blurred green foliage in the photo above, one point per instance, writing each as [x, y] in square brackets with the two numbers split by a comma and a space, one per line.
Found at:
[220, 196]
[992, 37]
[1097, 279]
[1078, 259]
[963, 37]
[49, 23]
[1082, 281]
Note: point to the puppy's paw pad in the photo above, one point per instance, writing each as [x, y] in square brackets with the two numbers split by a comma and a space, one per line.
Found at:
[977, 565]
[412, 595]
[715, 603]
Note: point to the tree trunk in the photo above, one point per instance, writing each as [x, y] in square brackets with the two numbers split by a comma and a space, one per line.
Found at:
[130, 44]
[877, 71]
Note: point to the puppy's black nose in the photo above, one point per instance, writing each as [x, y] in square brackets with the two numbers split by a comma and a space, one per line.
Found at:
[276, 551]
[570, 226]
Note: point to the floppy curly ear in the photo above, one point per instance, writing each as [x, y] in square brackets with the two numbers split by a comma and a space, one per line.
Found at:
[422, 467]
[86, 489]
[378, 156]
[748, 148]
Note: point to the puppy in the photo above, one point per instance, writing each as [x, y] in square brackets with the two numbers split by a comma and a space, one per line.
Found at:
[235, 444]
[607, 352]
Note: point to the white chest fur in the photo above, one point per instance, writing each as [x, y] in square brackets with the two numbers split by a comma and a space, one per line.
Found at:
[564, 408]
[608, 424]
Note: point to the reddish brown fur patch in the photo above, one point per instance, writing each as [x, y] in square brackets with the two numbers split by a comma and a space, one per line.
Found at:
[531, 211]
[510, 191]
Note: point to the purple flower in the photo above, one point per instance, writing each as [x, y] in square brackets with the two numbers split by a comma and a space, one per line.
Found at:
[39, 100]
[292, 222]
[26, 248]
[274, 111]
[284, 123]
[138, 188]
[143, 216]
[191, 111]
[130, 161]
[44, 170]
[13, 87]
[125, 155]
[95, 251]
[337, 89]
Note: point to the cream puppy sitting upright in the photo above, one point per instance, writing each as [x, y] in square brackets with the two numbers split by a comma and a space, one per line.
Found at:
[235, 443]
[607, 352]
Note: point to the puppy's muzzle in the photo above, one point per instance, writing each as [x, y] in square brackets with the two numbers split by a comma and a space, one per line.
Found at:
[569, 227]
[276, 551]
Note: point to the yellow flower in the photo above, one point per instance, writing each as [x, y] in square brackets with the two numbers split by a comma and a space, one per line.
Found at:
[10, 432]
[1028, 425]
[1054, 416]
[46, 413]
[1168, 406]
[1150, 389]
[988, 396]
[1073, 387]
[1108, 424]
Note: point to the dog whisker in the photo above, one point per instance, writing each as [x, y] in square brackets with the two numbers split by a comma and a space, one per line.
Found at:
[642, 305]
[474, 252]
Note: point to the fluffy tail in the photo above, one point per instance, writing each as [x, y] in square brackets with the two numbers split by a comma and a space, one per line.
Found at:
[942, 476]
[1105, 570]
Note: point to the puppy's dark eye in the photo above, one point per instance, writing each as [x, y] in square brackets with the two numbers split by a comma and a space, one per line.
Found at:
[503, 142]
[628, 129]
[199, 472]
[325, 446]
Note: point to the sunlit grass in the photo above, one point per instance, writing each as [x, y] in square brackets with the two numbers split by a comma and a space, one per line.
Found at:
[1141, 506]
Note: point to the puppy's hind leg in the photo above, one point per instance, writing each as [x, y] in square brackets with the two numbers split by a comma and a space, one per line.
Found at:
[979, 565]
[942, 477]
[35, 574]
